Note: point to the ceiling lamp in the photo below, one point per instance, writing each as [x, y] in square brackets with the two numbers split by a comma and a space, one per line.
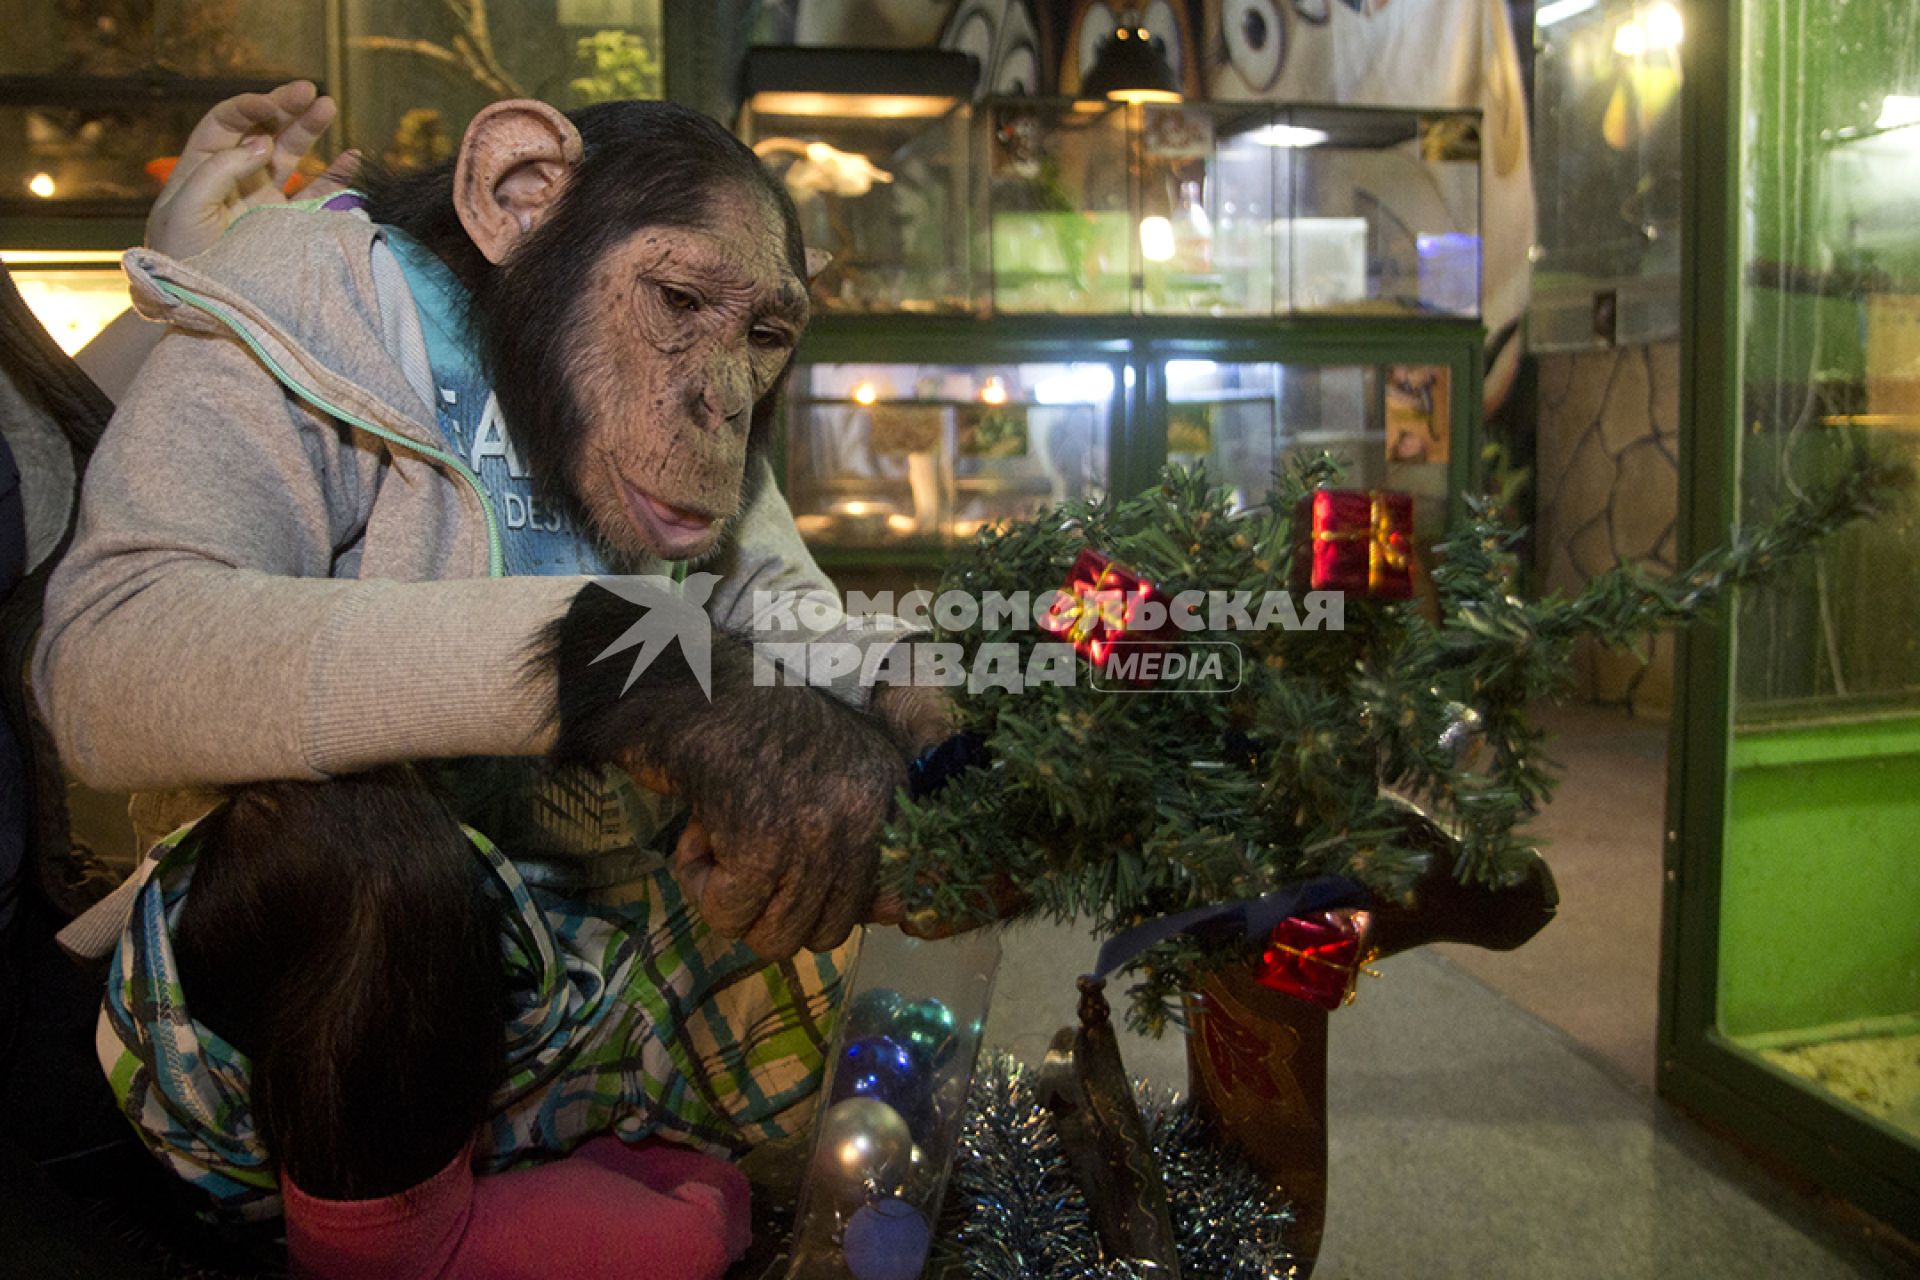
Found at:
[1131, 66]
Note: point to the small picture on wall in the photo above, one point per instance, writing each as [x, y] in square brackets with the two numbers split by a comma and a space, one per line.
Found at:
[1418, 424]
[1189, 430]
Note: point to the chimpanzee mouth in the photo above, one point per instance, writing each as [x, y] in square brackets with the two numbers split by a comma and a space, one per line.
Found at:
[675, 532]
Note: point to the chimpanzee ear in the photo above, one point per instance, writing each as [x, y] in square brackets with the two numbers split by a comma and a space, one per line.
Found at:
[818, 260]
[514, 162]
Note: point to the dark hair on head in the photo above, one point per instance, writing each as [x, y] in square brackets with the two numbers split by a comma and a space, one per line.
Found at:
[647, 164]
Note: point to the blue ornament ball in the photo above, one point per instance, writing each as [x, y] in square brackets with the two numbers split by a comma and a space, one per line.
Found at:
[878, 1068]
[927, 1028]
[887, 1240]
[871, 1012]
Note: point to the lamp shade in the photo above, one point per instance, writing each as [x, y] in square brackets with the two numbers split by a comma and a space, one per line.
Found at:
[1131, 66]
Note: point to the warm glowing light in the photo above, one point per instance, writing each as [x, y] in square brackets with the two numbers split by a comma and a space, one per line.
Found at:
[41, 184]
[1156, 239]
[1143, 95]
[866, 393]
[1630, 41]
[1897, 111]
[994, 392]
[1080, 384]
[1664, 26]
[1288, 135]
[870, 106]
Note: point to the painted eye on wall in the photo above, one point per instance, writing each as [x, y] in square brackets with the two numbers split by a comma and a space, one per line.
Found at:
[1315, 11]
[1001, 36]
[1096, 24]
[1256, 40]
[1161, 21]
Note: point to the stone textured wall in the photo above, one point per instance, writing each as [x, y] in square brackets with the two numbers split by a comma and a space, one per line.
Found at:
[1608, 486]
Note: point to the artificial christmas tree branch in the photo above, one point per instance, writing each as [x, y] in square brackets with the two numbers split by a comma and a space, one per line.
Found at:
[1121, 809]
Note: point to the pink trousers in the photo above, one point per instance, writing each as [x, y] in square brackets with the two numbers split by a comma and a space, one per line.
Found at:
[609, 1209]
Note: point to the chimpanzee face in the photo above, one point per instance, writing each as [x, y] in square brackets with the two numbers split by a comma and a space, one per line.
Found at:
[685, 330]
[634, 369]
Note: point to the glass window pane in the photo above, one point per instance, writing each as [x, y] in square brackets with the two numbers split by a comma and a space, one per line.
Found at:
[417, 70]
[901, 453]
[1824, 785]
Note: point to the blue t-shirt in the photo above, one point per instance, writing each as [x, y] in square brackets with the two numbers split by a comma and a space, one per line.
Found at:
[536, 537]
[568, 828]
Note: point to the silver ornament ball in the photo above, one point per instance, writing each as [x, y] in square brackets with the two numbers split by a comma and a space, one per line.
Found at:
[865, 1149]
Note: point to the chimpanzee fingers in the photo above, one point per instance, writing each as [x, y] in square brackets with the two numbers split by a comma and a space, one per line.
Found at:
[847, 903]
[692, 861]
[794, 913]
[734, 896]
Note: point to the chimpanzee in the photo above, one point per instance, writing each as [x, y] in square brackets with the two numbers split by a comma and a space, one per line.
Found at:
[334, 574]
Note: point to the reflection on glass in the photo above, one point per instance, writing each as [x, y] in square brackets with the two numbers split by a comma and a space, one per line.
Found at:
[417, 70]
[1385, 210]
[1387, 425]
[905, 453]
[102, 93]
[1205, 209]
[1059, 234]
[1825, 755]
[73, 303]
[1606, 120]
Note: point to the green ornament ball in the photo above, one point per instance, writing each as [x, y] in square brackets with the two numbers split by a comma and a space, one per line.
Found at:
[928, 1031]
[871, 1013]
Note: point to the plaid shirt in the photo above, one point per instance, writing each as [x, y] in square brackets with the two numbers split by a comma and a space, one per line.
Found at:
[634, 1019]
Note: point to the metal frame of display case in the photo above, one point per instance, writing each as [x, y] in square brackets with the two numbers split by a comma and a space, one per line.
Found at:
[1137, 346]
[1864, 1161]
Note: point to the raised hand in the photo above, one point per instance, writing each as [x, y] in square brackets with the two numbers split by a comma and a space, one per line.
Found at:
[239, 157]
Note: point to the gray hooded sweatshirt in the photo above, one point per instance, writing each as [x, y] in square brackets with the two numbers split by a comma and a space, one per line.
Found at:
[279, 570]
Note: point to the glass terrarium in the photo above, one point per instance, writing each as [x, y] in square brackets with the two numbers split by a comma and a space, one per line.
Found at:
[74, 294]
[1606, 124]
[1383, 211]
[878, 176]
[415, 71]
[97, 96]
[1058, 233]
[1791, 998]
[1388, 424]
[1205, 208]
[901, 454]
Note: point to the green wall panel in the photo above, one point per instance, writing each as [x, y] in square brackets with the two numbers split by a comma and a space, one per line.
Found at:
[1820, 886]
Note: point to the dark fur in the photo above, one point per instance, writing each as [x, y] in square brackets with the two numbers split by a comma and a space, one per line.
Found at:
[723, 757]
[338, 934]
[647, 164]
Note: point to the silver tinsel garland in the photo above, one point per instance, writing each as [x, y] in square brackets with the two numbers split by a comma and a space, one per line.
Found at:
[1022, 1217]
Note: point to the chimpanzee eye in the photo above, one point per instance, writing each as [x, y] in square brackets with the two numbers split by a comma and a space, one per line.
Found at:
[679, 299]
[770, 338]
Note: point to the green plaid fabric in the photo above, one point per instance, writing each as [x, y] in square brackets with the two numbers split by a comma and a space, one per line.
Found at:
[634, 1019]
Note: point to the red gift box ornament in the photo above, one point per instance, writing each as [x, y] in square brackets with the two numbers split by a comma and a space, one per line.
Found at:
[1100, 605]
[1317, 958]
[1357, 540]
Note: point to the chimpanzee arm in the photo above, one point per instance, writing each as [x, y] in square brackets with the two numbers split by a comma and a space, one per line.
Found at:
[791, 783]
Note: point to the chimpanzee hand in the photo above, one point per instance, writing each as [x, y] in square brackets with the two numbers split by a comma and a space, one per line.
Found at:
[788, 787]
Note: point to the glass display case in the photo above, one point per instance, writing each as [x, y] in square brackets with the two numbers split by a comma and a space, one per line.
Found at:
[1227, 209]
[910, 454]
[1791, 1006]
[1388, 424]
[412, 72]
[902, 438]
[97, 96]
[878, 176]
[1606, 127]
[1383, 210]
[74, 294]
[1057, 231]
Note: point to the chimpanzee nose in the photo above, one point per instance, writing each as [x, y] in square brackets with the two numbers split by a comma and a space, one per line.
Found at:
[724, 395]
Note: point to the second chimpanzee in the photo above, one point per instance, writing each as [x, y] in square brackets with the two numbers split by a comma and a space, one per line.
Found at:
[347, 521]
